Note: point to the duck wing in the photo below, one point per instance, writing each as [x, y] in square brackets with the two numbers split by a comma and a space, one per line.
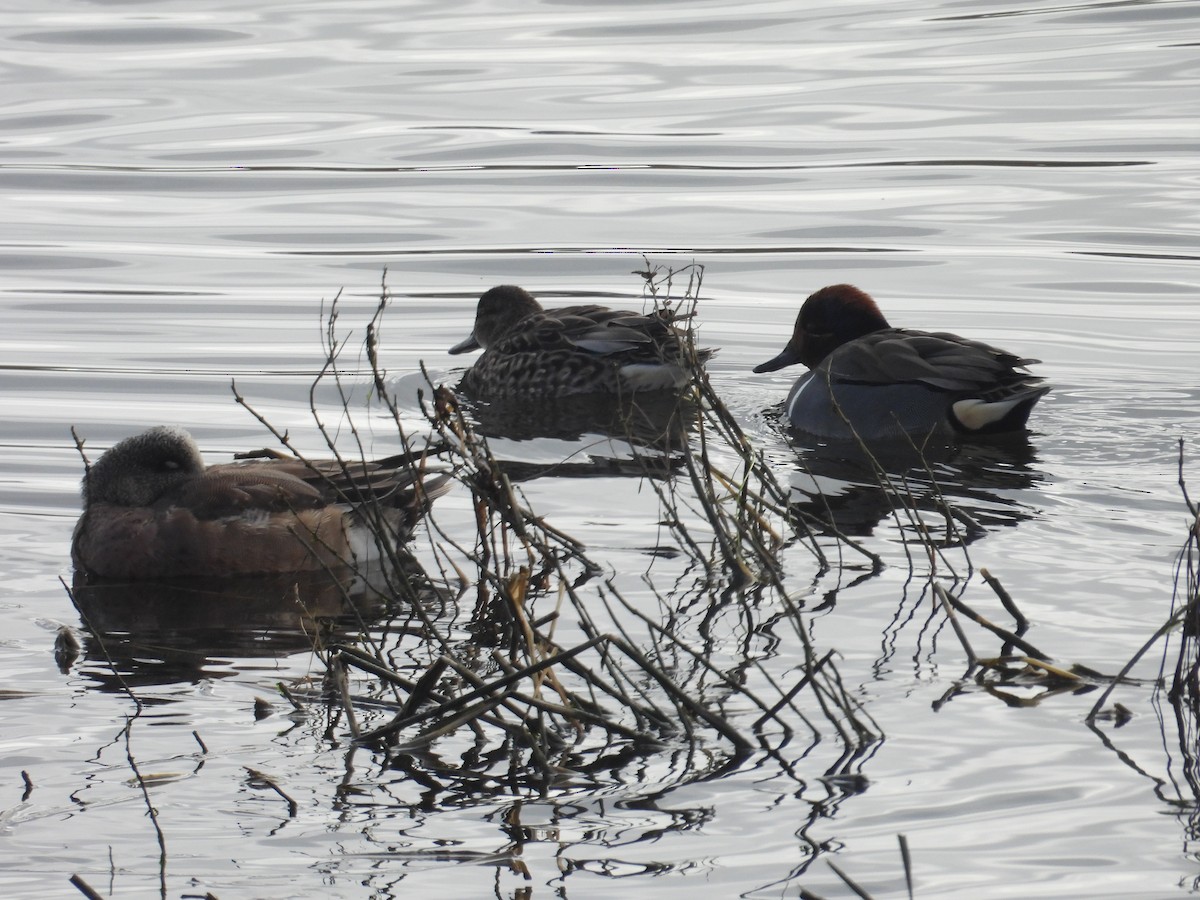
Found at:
[938, 360]
[595, 330]
[226, 490]
[289, 485]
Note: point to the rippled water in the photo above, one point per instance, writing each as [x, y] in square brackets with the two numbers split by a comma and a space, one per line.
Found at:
[185, 187]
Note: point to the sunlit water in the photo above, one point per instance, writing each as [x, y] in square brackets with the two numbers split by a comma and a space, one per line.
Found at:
[184, 188]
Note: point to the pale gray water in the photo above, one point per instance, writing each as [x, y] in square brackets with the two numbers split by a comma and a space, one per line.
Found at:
[184, 186]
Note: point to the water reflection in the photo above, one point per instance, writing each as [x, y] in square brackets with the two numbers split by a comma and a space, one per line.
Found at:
[609, 436]
[604, 815]
[953, 493]
[182, 630]
[1181, 788]
[656, 420]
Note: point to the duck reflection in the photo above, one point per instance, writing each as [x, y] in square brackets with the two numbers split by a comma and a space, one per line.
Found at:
[179, 630]
[650, 420]
[954, 493]
[634, 436]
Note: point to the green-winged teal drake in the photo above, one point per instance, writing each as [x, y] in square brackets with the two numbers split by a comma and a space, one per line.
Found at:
[889, 382]
[539, 353]
[153, 509]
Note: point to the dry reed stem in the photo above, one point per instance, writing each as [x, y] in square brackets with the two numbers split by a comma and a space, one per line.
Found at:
[1006, 600]
[1004, 634]
[266, 780]
[620, 681]
[84, 888]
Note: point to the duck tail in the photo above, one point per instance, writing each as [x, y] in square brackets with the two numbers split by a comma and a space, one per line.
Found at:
[977, 415]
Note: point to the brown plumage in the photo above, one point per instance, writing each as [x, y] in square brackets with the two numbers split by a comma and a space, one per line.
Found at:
[541, 353]
[152, 509]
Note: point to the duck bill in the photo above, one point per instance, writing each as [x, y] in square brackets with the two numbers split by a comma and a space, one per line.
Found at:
[789, 357]
[465, 346]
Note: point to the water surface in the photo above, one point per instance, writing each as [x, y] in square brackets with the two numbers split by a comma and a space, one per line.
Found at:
[187, 189]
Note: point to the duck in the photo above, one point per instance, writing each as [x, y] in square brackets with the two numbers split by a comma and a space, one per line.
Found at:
[871, 381]
[152, 509]
[540, 354]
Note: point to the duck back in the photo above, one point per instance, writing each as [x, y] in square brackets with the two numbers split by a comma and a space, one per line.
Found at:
[579, 350]
[898, 382]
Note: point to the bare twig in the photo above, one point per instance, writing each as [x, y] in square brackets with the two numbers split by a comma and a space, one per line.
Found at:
[1021, 622]
[266, 780]
[84, 888]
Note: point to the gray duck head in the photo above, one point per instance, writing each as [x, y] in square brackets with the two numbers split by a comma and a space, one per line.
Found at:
[140, 469]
